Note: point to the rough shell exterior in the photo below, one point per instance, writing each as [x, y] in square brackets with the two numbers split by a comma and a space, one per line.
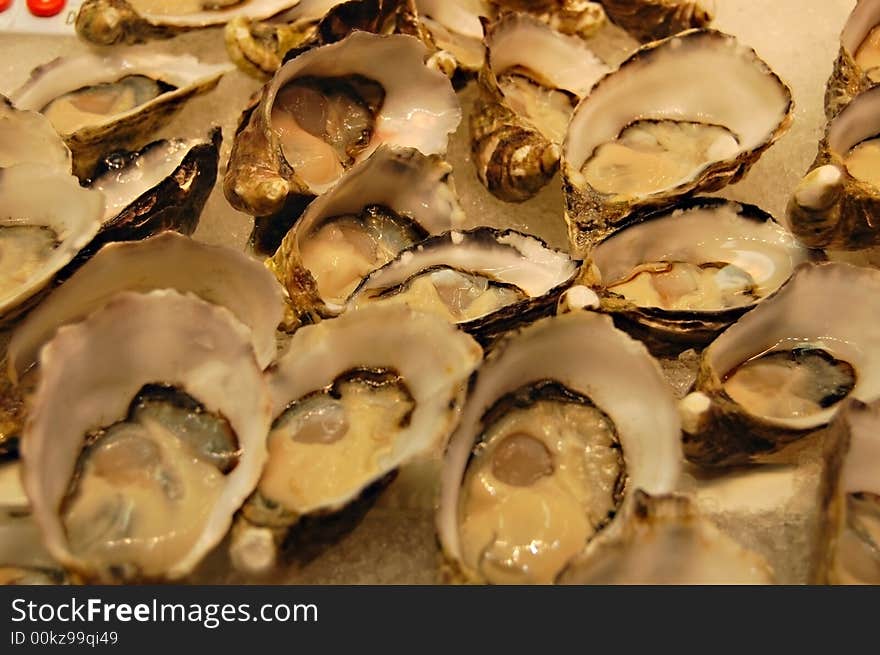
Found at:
[648, 20]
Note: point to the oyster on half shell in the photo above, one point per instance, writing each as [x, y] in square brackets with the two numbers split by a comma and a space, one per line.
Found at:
[111, 22]
[146, 433]
[564, 421]
[531, 81]
[354, 399]
[106, 103]
[575, 17]
[648, 20]
[653, 131]
[330, 108]
[27, 137]
[857, 67]
[455, 29]
[782, 371]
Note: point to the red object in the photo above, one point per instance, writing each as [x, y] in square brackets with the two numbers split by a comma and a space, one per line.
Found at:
[5, 4]
[45, 8]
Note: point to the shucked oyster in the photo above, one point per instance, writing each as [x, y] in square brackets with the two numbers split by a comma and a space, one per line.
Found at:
[330, 108]
[857, 68]
[110, 22]
[102, 104]
[484, 280]
[563, 422]
[837, 204]
[27, 137]
[648, 20]
[355, 398]
[147, 432]
[682, 276]
[664, 540]
[388, 203]
[654, 131]
[783, 369]
[533, 78]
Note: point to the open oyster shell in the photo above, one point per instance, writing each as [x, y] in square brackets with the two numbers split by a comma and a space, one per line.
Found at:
[857, 68]
[161, 469]
[648, 20]
[354, 399]
[679, 277]
[455, 29]
[664, 541]
[837, 203]
[575, 17]
[563, 422]
[653, 131]
[386, 204]
[111, 22]
[47, 219]
[106, 103]
[486, 281]
[531, 81]
[380, 84]
[782, 370]
[27, 137]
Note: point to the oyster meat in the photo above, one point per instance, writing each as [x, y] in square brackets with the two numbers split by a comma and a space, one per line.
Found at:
[484, 280]
[857, 68]
[331, 108]
[563, 422]
[111, 22]
[532, 79]
[837, 202]
[355, 398]
[682, 276]
[134, 459]
[782, 370]
[648, 20]
[653, 131]
[106, 103]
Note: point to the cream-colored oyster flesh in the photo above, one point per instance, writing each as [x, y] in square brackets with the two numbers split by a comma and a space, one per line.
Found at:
[47, 219]
[653, 131]
[130, 481]
[169, 260]
[549, 445]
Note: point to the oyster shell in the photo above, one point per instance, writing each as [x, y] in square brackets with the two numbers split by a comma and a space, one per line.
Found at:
[106, 103]
[355, 398]
[653, 131]
[836, 204]
[380, 84]
[531, 81]
[27, 137]
[563, 422]
[681, 276]
[782, 370]
[664, 541]
[483, 280]
[111, 22]
[857, 67]
[648, 20]
[575, 17]
[166, 473]
[386, 204]
[456, 30]
[47, 219]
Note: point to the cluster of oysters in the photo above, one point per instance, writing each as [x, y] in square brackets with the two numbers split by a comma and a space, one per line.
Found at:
[161, 397]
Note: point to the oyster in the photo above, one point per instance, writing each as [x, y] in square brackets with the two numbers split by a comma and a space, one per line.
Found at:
[532, 80]
[456, 30]
[575, 17]
[355, 398]
[388, 203]
[102, 104]
[27, 137]
[857, 68]
[836, 205]
[648, 20]
[653, 131]
[664, 541]
[563, 422]
[111, 22]
[783, 369]
[483, 280]
[163, 187]
[682, 276]
[47, 219]
[330, 108]
[146, 433]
